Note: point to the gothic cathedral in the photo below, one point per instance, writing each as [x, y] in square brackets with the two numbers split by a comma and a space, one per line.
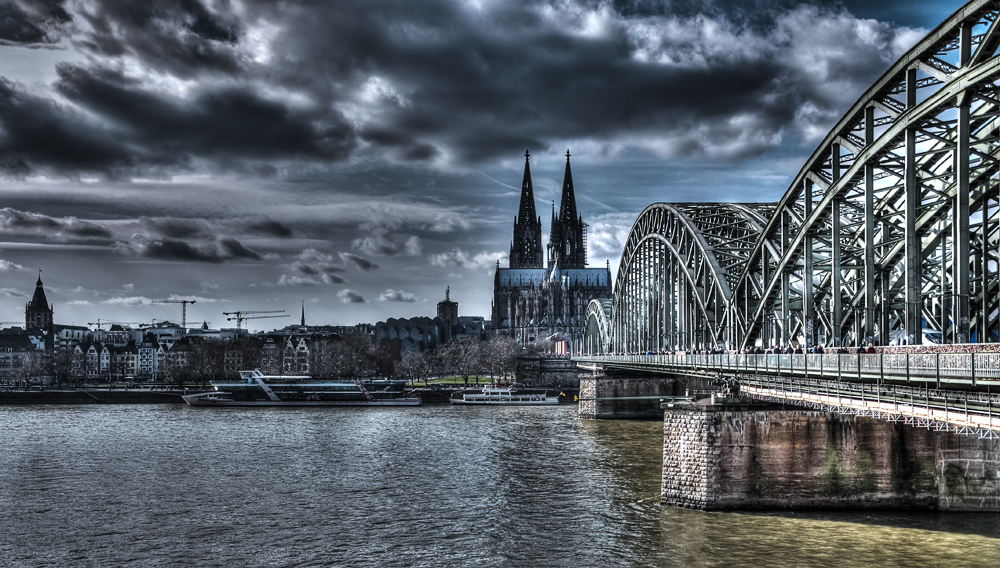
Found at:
[533, 301]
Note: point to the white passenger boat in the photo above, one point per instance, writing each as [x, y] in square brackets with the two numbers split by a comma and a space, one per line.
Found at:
[505, 396]
[257, 389]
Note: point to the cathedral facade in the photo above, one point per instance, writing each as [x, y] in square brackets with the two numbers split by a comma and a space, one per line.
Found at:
[534, 300]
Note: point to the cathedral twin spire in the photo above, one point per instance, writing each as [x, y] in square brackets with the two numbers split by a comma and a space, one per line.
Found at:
[526, 248]
[567, 244]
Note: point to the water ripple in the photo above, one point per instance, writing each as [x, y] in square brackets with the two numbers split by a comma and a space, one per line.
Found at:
[430, 486]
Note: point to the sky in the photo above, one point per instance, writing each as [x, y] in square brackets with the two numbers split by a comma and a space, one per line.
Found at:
[357, 157]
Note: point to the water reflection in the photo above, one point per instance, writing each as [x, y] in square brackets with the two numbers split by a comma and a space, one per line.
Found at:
[681, 537]
[432, 486]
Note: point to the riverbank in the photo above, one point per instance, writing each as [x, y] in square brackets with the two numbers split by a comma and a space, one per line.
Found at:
[91, 396]
[173, 396]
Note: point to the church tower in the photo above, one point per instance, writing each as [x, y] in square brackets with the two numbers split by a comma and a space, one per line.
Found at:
[526, 248]
[568, 239]
[38, 312]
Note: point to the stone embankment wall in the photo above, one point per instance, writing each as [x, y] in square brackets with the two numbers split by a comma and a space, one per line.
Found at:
[90, 396]
[616, 397]
[719, 458]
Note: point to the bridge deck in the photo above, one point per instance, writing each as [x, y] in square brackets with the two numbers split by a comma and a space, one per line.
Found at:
[895, 387]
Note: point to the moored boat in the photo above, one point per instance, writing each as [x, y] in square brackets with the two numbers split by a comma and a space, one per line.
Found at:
[505, 396]
[258, 389]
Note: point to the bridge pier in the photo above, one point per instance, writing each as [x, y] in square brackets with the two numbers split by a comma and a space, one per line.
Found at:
[745, 457]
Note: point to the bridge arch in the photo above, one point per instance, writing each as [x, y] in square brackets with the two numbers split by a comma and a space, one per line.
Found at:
[596, 335]
[675, 278]
[890, 228]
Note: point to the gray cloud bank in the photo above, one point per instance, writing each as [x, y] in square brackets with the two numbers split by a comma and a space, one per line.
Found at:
[256, 87]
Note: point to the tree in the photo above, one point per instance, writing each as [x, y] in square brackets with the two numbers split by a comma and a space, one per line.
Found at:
[416, 366]
[462, 357]
[502, 354]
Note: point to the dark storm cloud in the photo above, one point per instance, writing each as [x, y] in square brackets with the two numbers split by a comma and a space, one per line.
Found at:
[30, 21]
[271, 228]
[174, 228]
[15, 221]
[182, 38]
[86, 230]
[235, 249]
[349, 296]
[17, 26]
[229, 122]
[37, 131]
[27, 220]
[438, 81]
[178, 250]
[312, 269]
[359, 261]
[172, 249]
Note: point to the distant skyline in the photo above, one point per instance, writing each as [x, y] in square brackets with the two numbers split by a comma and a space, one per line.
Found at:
[362, 156]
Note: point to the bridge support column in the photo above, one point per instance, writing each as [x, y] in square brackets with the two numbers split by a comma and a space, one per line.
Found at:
[743, 457]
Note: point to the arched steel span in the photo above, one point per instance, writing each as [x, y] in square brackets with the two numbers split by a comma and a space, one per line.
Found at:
[676, 275]
[890, 229]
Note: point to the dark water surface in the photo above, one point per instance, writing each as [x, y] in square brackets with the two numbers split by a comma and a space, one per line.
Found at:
[170, 485]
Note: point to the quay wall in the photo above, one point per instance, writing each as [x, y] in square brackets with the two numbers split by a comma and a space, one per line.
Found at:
[90, 396]
[719, 458]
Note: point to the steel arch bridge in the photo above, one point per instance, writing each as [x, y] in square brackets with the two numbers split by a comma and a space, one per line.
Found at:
[890, 230]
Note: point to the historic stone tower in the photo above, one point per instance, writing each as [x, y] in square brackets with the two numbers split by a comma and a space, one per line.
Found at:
[526, 248]
[448, 310]
[38, 312]
[567, 240]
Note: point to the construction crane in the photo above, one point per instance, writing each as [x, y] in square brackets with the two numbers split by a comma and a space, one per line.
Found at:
[247, 315]
[184, 308]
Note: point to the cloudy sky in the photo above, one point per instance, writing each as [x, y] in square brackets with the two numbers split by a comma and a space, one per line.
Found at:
[362, 155]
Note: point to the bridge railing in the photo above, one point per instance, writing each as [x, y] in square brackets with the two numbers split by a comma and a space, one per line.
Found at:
[937, 368]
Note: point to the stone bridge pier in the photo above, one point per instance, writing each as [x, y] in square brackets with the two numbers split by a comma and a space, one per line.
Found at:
[742, 456]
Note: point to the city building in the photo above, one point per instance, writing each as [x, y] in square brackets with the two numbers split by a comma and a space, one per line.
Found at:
[38, 312]
[537, 302]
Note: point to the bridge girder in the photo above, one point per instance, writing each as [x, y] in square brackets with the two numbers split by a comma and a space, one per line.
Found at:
[892, 226]
[899, 207]
[676, 275]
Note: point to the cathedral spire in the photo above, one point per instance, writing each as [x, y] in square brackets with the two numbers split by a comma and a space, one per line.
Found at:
[567, 206]
[526, 212]
[568, 243]
[526, 247]
[303, 313]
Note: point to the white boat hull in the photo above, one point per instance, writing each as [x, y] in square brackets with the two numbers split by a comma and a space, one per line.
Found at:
[201, 401]
[505, 396]
[546, 402]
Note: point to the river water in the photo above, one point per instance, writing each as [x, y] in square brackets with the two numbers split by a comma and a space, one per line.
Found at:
[171, 485]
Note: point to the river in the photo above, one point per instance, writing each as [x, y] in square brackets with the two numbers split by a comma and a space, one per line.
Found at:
[172, 485]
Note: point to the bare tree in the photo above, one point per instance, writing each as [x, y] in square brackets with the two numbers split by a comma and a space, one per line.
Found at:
[462, 357]
[502, 354]
[417, 366]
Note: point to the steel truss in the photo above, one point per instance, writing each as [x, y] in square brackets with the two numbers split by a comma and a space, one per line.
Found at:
[948, 411]
[891, 228]
[676, 274]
